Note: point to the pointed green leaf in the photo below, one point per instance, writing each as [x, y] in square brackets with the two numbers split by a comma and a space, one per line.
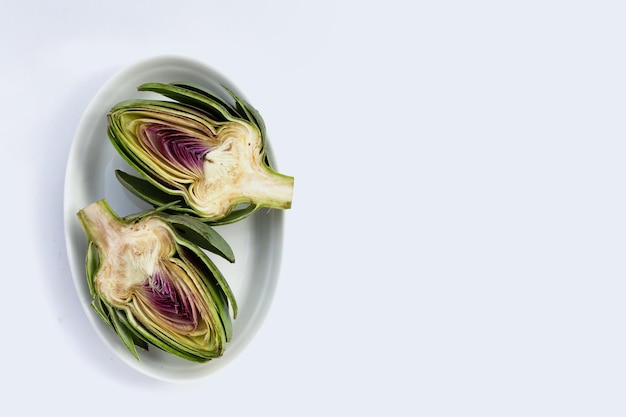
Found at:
[101, 310]
[245, 108]
[236, 215]
[122, 331]
[91, 265]
[202, 235]
[138, 338]
[193, 97]
[145, 190]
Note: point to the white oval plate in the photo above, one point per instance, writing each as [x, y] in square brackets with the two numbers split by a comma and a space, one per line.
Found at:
[256, 241]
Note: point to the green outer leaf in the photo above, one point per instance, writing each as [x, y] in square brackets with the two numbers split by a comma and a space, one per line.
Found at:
[208, 94]
[247, 111]
[236, 215]
[138, 338]
[123, 332]
[201, 234]
[195, 97]
[92, 264]
[102, 311]
[131, 218]
[145, 190]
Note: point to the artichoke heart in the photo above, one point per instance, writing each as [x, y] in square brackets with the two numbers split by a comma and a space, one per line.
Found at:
[197, 153]
[154, 286]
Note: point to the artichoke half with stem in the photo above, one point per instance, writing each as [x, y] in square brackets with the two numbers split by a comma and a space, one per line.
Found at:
[153, 283]
[197, 153]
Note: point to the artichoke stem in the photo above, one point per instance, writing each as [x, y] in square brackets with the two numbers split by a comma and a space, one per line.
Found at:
[100, 223]
[269, 189]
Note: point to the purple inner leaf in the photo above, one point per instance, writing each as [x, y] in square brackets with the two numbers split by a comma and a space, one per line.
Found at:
[167, 299]
[176, 149]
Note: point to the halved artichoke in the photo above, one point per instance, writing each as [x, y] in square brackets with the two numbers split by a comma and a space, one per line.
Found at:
[197, 154]
[154, 286]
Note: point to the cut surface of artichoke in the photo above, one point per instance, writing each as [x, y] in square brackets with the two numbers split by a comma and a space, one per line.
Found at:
[153, 286]
[199, 149]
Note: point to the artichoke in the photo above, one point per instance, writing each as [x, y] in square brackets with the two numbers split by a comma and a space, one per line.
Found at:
[197, 153]
[153, 283]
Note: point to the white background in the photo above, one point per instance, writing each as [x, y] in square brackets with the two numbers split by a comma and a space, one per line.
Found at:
[456, 243]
